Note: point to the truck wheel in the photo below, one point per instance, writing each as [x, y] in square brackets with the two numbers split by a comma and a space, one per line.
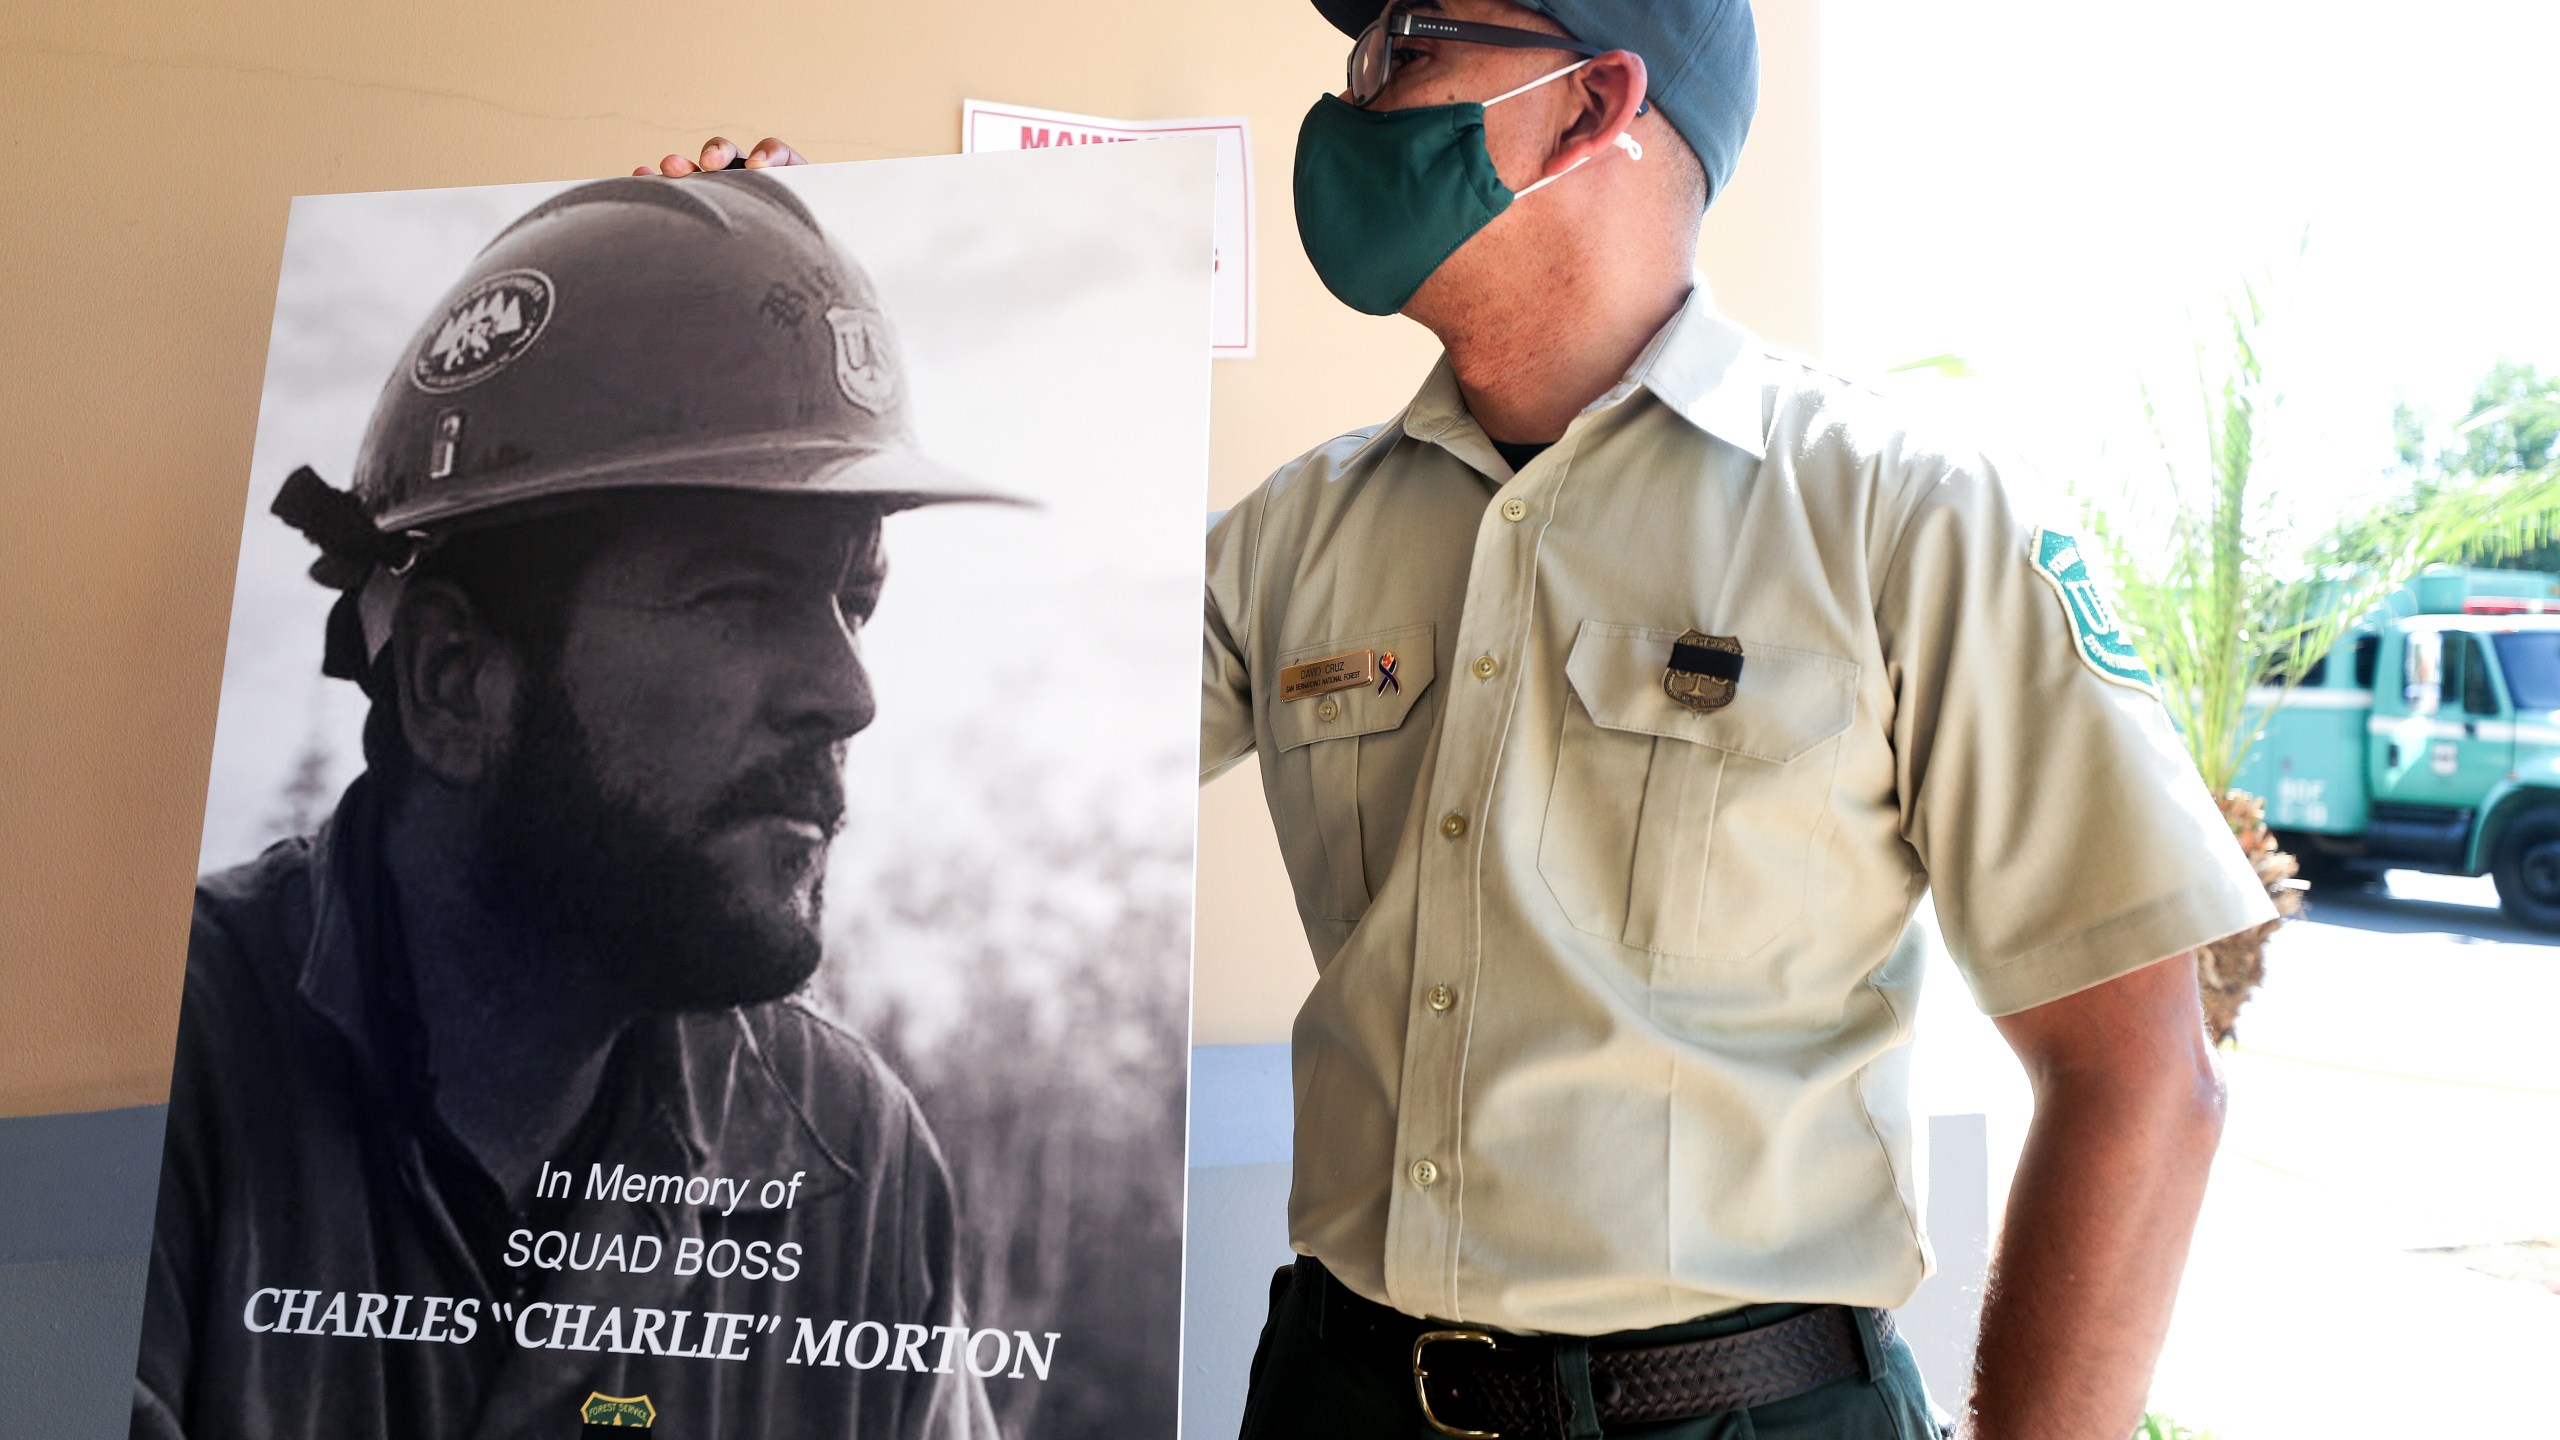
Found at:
[2528, 870]
[2319, 868]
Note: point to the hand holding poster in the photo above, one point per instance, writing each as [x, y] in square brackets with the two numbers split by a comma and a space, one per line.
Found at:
[711, 952]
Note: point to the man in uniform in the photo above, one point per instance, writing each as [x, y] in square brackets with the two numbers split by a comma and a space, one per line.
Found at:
[493, 1105]
[1617, 703]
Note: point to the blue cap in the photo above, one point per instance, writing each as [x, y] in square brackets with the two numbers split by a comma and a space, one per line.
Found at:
[1701, 60]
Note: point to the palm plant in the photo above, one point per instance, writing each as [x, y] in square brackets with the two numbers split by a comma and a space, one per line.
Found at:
[2230, 606]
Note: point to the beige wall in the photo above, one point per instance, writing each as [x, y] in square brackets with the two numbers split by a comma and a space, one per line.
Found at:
[154, 148]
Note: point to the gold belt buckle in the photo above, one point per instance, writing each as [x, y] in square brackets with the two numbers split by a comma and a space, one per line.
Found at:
[1422, 1378]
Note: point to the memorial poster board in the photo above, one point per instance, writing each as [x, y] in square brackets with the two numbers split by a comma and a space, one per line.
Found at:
[695, 915]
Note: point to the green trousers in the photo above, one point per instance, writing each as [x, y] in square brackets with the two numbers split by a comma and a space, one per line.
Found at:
[1306, 1389]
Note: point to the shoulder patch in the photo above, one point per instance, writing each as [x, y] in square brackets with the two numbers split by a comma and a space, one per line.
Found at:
[2095, 631]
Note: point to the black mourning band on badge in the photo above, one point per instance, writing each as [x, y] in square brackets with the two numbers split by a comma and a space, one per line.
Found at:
[1699, 660]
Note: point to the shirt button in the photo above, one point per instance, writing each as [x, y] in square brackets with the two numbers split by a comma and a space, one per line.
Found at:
[1327, 708]
[1487, 667]
[1441, 997]
[1425, 1174]
[1515, 509]
[1453, 824]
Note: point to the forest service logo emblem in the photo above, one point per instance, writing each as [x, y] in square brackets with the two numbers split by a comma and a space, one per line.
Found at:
[483, 331]
[2095, 631]
[619, 1411]
[863, 369]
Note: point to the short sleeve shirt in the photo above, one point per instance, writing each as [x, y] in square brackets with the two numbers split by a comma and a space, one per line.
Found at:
[1616, 989]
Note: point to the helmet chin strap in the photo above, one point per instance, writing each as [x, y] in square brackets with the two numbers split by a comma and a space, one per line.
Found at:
[376, 603]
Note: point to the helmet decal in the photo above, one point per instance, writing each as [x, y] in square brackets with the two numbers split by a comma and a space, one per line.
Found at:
[483, 331]
[784, 304]
[864, 370]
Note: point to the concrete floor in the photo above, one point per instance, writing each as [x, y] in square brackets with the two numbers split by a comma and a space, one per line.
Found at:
[2397, 1092]
[2396, 1095]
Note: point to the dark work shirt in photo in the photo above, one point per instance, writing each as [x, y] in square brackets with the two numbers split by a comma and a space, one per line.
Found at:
[304, 1154]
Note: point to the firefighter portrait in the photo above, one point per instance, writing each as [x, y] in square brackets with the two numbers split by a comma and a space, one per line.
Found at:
[494, 1102]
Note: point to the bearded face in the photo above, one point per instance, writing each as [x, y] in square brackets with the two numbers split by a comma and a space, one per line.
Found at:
[673, 783]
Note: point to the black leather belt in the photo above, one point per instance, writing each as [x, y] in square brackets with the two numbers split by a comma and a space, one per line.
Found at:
[1486, 1385]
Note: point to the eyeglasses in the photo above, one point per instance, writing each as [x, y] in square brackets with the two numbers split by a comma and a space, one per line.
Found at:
[1373, 56]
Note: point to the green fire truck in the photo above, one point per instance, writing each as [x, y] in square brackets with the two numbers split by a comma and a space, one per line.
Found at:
[2429, 739]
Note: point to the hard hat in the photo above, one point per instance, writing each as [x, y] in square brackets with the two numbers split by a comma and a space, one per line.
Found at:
[698, 334]
[647, 332]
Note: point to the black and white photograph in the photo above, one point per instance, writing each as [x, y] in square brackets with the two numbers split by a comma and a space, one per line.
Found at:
[694, 918]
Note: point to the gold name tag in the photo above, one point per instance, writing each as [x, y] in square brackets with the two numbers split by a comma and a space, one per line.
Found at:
[1334, 672]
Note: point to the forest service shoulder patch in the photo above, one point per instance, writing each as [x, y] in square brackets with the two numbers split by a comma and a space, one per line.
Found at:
[633, 1412]
[2095, 631]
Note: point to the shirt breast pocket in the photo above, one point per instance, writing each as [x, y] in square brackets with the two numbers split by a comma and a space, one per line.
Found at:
[1353, 763]
[1682, 832]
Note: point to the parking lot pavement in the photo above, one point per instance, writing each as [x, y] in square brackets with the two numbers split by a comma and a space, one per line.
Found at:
[2396, 1092]
[2295, 1325]
[2410, 1076]
[2396, 1095]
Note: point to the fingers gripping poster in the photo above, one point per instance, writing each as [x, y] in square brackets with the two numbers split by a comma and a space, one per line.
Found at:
[695, 915]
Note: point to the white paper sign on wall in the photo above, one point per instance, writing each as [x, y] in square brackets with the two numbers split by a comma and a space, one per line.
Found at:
[985, 125]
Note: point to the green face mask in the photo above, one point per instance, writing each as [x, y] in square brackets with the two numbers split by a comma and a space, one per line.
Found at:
[1384, 196]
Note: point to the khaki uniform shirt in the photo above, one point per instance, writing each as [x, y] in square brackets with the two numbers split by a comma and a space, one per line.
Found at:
[1615, 997]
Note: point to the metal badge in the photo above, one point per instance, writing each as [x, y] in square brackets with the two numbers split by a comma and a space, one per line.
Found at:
[445, 450]
[1346, 671]
[1704, 670]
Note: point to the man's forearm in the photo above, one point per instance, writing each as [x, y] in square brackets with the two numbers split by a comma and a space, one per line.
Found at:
[2090, 1253]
